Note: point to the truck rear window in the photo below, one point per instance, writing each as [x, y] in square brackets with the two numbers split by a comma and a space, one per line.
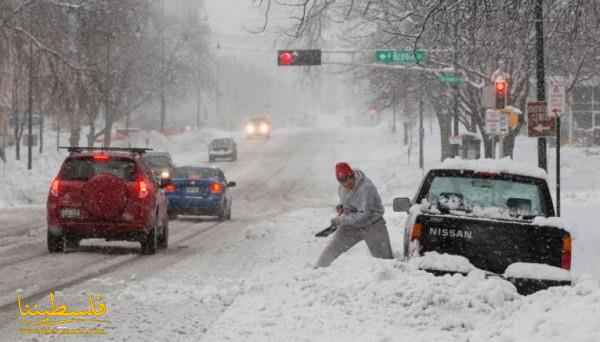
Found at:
[504, 198]
[82, 169]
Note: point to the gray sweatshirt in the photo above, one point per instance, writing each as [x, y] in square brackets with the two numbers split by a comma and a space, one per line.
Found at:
[362, 205]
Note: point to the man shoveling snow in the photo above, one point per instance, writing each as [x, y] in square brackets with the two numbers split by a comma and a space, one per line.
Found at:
[360, 217]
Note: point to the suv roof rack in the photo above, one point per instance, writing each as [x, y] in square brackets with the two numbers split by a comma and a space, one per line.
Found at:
[75, 149]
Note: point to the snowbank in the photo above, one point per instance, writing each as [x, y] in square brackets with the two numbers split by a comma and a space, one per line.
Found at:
[536, 271]
[442, 262]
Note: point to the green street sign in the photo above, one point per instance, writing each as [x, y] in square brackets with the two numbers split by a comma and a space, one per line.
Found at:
[399, 56]
[451, 79]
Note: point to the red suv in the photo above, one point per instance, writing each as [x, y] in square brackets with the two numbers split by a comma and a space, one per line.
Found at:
[107, 193]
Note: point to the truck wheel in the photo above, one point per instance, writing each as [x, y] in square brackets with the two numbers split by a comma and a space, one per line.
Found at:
[150, 243]
[211, 159]
[56, 243]
[172, 216]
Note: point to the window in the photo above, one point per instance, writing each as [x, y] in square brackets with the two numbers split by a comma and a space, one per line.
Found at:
[469, 194]
[582, 120]
[83, 169]
[582, 98]
[198, 172]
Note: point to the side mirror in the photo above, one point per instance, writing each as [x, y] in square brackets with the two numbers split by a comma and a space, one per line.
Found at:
[231, 184]
[401, 204]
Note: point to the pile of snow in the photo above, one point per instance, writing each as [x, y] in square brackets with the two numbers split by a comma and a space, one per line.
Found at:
[442, 262]
[505, 165]
[536, 271]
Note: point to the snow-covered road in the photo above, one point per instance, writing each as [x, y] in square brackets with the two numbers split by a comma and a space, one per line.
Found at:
[251, 279]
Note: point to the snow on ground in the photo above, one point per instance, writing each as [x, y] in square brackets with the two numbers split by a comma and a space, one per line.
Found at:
[280, 297]
[262, 286]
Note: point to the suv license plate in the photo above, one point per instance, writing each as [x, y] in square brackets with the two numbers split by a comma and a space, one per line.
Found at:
[69, 213]
[192, 189]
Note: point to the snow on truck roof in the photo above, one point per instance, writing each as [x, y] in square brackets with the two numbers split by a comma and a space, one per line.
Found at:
[505, 165]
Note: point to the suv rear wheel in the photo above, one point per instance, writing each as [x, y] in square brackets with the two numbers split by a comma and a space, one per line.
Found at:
[56, 243]
[72, 242]
[150, 243]
[163, 241]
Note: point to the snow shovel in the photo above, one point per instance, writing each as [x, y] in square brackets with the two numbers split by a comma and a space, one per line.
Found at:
[327, 231]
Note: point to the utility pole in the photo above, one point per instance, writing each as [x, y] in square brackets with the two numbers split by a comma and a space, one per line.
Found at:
[107, 106]
[557, 163]
[30, 99]
[455, 90]
[541, 84]
[421, 132]
[217, 92]
[163, 105]
[39, 106]
[396, 100]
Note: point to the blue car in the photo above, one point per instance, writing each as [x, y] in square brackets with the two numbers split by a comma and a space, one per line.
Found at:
[199, 191]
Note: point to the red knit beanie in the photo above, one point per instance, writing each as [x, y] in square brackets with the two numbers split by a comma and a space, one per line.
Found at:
[342, 171]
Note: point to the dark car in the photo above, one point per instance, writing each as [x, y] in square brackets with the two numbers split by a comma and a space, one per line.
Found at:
[161, 163]
[497, 220]
[222, 148]
[106, 193]
[259, 127]
[201, 191]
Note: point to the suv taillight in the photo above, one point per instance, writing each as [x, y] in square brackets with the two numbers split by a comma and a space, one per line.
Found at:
[565, 259]
[142, 187]
[55, 187]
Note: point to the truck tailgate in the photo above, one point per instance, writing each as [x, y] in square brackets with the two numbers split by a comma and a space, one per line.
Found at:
[491, 245]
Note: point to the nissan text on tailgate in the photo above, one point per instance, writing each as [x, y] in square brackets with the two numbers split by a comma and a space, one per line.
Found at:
[495, 213]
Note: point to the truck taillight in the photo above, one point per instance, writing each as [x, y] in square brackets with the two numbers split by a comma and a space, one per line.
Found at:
[143, 191]
[170, 188]
[417, 232]
[55, 187]
[565, 260]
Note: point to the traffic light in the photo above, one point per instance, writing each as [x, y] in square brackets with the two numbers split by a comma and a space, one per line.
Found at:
[298, 57]
[501, 94]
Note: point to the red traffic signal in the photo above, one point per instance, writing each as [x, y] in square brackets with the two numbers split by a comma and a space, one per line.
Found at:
[500, 86]
[501, 94]
[298, 57]
[286, 58]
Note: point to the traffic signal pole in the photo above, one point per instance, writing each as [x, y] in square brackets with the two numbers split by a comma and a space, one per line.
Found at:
[541, 84]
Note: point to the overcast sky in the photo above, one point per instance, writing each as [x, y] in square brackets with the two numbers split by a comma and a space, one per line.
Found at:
[232, 16]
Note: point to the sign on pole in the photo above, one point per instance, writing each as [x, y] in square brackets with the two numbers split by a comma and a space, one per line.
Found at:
[556, 96]
[496, 122]
[451, 78]
[399, 56]
[539, 123]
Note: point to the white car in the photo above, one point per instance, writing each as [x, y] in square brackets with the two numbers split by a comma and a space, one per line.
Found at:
[222, 148]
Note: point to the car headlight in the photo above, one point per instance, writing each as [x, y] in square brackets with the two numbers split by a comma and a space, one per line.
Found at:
[165, 174]
[250, 129]
[264, 128]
